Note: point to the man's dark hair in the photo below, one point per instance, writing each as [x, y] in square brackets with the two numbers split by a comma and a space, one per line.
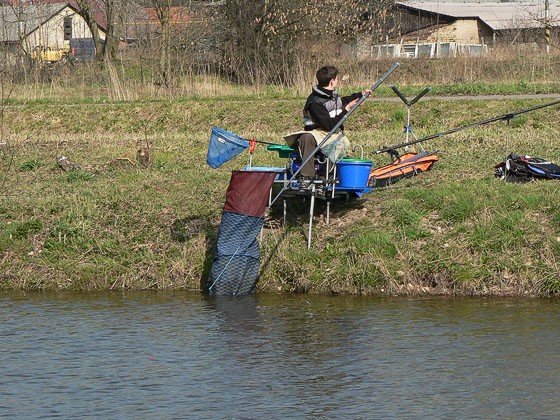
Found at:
[325, 74]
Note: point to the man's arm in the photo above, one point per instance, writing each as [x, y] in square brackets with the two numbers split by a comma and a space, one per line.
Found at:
[347, 99]
[321, 117]
[348, 102]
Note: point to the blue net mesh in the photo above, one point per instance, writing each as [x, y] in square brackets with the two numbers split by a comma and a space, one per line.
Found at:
[224, 146]
[235, 270]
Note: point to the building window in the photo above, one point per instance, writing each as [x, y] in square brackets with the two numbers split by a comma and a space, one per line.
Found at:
[68, 28]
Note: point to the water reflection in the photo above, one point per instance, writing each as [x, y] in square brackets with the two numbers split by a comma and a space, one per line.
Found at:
[181, 355]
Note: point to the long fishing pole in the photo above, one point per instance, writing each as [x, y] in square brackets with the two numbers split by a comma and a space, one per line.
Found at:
[261, 142]
[336, 127]
[266, 142]
[507, 117]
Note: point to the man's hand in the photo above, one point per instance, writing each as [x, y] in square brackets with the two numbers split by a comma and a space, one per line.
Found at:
[355, 101]
[351, 105]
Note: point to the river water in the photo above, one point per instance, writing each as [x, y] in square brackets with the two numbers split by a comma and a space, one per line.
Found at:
[148, 355]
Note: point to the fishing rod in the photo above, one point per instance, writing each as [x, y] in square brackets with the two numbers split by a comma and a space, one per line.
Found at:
[260, 141]
[264, 142]
[506, 117]
[336, 127]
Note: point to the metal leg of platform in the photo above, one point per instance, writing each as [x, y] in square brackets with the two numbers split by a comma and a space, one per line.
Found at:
[311, 210]
[333, 185]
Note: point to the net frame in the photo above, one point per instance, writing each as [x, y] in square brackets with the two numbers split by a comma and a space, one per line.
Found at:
[223, 147]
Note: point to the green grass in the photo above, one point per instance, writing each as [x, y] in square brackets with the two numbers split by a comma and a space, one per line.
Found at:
[453, 230]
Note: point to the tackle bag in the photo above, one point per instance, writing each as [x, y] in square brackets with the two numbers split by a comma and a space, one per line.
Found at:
[407, 166]
[518, 168]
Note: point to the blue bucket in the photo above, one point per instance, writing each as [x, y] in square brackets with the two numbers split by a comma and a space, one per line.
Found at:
[353, 173]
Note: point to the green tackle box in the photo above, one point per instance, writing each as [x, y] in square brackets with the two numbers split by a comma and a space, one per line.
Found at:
[283, 151]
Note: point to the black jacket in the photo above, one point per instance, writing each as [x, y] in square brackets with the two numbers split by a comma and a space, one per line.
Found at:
[324, 108]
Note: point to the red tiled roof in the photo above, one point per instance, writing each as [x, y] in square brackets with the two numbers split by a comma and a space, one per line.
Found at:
[178, 15]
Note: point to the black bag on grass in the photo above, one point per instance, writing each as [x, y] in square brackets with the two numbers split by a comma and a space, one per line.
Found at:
[517, 168]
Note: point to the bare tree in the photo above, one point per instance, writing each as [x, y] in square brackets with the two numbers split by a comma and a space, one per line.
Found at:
[260, 41]
[111, 35]
[88, 10]
[112, 11]
[163, 13]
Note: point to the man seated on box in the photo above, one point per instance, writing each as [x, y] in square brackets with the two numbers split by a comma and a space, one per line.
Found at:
[323, 109]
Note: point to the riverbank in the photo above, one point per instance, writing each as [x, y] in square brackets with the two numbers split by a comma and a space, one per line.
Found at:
[114, 224]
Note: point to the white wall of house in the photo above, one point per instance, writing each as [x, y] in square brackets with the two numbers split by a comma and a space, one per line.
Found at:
[462, 31]
[467, 31]
[50, 33]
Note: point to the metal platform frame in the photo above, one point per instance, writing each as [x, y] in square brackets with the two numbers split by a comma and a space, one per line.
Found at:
[331, 192]
[290, 188]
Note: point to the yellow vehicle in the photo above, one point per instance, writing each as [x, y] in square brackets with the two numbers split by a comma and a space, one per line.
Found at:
[49, 55]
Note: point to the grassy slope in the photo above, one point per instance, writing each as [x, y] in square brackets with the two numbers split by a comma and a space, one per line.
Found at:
[456, 229]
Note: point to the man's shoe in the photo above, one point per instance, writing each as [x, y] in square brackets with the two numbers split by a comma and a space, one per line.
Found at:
[305, 184]
[321, 190]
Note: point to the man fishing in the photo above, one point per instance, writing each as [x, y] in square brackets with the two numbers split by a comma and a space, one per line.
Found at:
[323, 109]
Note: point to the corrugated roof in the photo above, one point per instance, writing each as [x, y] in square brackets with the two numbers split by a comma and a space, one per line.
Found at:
[498, 16]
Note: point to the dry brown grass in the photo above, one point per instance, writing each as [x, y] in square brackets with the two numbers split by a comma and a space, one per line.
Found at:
[131, 78]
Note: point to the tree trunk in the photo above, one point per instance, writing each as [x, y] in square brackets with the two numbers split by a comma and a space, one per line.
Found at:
[163, 10]
[110, 34]
[87, 12]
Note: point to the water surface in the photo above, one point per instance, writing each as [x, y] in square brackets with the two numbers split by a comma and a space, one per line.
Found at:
[182, 355]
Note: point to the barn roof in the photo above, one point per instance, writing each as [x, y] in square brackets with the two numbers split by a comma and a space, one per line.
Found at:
[498, 16]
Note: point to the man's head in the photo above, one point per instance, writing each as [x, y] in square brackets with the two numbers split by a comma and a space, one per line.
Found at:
[325, 75]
